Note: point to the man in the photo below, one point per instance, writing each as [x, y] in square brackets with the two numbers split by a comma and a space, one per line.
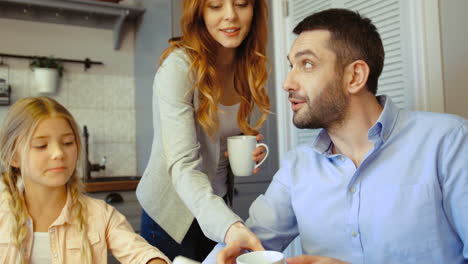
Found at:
[379, 184]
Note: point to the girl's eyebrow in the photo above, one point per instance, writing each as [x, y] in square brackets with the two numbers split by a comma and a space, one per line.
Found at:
[64, 135]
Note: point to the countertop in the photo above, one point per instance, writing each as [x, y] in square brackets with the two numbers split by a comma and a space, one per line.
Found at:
[106, 184]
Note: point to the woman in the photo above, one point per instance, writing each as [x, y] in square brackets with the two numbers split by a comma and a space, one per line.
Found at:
[205, 90]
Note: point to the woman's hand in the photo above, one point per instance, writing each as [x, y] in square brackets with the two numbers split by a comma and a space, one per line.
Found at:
[157, 261]
[238, 239]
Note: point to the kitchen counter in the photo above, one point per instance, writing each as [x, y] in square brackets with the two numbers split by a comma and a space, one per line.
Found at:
[104, 184]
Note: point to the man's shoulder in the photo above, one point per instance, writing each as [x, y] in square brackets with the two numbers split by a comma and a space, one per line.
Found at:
[441, 122]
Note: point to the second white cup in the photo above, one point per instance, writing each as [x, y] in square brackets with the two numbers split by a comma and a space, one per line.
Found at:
[261, 257]
[240, 150]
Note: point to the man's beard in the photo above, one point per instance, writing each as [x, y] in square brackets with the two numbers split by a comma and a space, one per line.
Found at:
[327, 109]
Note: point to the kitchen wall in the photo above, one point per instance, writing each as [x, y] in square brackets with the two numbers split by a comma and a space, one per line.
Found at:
[151, 40]
[454, 37]
[101, 98]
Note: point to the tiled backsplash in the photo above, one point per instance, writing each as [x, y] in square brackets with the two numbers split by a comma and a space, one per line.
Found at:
[104, 103]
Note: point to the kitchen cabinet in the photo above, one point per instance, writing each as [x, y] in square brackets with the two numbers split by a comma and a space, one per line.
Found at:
[73, 12]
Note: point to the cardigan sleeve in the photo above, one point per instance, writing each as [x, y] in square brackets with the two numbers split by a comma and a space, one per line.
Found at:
[174, 99]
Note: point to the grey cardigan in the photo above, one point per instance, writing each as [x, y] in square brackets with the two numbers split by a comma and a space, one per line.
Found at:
[175, 187]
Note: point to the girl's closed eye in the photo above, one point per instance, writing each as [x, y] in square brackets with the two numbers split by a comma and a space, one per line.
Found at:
[42, 146]
[68, 140]
[69, 143]
[39, 144]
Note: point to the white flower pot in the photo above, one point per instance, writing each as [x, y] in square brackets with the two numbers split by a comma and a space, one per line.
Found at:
[46, 80]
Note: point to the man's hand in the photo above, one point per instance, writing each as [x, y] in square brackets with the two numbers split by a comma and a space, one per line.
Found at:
[238, 239]
[305, 259]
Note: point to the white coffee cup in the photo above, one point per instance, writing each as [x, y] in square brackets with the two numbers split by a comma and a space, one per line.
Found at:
[240, 149]
[261, 257]
[184, 260]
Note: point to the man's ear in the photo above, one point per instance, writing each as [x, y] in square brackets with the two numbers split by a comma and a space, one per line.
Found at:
[356, 75]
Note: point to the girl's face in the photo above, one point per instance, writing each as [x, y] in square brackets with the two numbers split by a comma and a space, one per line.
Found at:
[52, 155]
[228, 21]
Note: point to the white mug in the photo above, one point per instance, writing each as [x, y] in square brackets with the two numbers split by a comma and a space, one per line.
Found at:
[261, 257]
[184, 260]
[240, 149]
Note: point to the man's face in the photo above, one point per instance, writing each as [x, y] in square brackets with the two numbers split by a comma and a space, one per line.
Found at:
[315, 89]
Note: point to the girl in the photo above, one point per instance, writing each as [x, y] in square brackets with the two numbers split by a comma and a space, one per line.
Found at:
[44, 216]
[206, 89]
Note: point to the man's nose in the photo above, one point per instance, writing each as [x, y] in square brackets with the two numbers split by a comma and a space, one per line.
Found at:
[290, 84]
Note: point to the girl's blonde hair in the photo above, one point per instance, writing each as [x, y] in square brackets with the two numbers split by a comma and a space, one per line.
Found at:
[249, 68]
[15, 134]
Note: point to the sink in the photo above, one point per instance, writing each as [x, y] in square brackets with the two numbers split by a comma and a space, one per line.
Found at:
[110, 179]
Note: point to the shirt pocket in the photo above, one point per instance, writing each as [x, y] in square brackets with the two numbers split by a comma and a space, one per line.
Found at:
[401, 221]
[75, 243]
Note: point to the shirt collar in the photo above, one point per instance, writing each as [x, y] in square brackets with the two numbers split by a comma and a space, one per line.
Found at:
[386, 122]
[65, 215]
[382, 128]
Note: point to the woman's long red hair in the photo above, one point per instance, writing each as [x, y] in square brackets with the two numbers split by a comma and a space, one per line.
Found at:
[249, 67]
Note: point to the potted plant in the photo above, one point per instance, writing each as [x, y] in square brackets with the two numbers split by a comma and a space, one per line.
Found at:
[47, 71]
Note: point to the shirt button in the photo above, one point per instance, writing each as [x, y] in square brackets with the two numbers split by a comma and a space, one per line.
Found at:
[342, 158]
[352, 190]
[385, 136]
[354, 234]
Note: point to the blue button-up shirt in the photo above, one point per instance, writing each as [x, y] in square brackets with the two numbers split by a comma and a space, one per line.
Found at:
[406, 203]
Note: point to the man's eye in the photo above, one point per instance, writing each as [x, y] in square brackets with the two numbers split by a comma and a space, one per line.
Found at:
[308, 65]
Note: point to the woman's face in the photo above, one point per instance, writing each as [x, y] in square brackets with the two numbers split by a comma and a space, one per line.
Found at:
[228, 21]
[52, 155]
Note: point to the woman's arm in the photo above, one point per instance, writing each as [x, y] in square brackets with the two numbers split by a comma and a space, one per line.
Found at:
[173, 103]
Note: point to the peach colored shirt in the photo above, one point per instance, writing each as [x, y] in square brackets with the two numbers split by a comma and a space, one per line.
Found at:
[107, 228]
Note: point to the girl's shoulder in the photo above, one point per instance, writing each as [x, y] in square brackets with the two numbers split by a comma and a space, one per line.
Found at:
[94, 203]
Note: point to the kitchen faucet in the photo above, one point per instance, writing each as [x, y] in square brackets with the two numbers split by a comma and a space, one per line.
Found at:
[89, 167]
